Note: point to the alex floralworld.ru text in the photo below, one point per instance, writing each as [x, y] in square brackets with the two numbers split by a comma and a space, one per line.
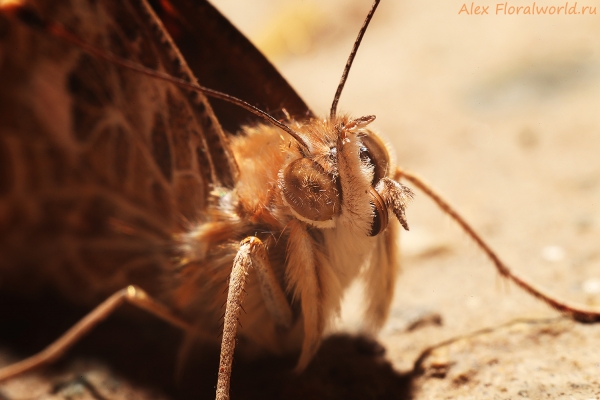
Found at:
[532, 9]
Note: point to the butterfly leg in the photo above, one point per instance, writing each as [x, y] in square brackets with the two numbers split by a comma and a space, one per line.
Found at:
[252, 254]
[306, 271]
[132, 295]
[578, 312]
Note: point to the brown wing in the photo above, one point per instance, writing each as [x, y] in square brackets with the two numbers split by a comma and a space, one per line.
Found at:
[223, 59]
[99, 167]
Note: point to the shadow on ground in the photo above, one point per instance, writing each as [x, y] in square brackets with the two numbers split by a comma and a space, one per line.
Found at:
[126, 357]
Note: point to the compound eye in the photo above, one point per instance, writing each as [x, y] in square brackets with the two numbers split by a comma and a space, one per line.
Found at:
[374, 151]
[310, 191]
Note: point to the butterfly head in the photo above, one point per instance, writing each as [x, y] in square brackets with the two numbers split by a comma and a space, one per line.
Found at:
[341, 175]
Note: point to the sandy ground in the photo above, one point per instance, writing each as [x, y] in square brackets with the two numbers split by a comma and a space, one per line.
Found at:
[499, 113]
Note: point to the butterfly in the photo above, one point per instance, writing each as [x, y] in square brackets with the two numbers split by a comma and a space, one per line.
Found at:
[140, 174]
[121, 179]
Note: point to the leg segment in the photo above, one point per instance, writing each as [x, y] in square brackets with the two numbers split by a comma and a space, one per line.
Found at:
[305, 274]
[576, 311]
[271, 290]
[252, 254]
[132, 294]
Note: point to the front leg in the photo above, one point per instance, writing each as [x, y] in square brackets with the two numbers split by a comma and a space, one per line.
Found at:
[252, 254]
[132, 295]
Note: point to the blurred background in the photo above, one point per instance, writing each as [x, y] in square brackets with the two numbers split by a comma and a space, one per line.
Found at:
[497, 112]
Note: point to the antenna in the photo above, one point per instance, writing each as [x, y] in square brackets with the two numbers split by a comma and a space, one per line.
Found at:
[31, 18]
[361, 33]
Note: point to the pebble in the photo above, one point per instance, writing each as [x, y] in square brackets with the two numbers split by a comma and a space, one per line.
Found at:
[591, 286]
[553, 253]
